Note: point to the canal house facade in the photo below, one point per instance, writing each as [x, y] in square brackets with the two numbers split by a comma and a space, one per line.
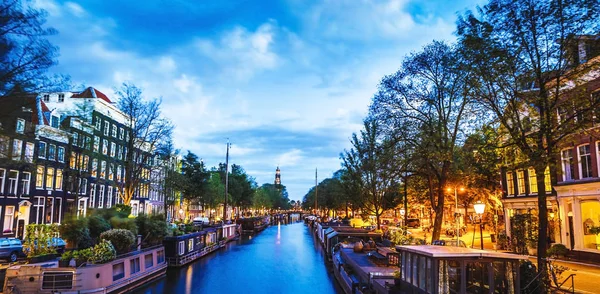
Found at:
[573, 184]
[65, 152]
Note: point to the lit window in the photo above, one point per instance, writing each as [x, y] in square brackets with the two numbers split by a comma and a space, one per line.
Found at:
[521, 181]
[73, 160]
[20, 126]
[510, 184]
[532, 181]
[39, 177]
[547, 180]
[191, 245]
[94, 167]
[86, 161]
[50, 178]
[9, 216]
[59, 179]
[103, 170]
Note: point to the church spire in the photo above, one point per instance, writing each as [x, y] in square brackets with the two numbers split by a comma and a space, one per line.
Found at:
[277, 176]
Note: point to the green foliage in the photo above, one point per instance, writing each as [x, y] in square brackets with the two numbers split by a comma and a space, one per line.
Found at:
[524, 228]
[121, 239]
[153, 228]
[595, 230]
[67, 256]
[399, 238]
[557, 250]
[101, 253]
[83, 255]
[502, 240]
[97, 225]
[117, 222]
[38, 240]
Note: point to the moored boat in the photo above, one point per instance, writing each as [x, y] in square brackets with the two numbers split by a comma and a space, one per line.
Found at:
[184, 249]
[120, 275]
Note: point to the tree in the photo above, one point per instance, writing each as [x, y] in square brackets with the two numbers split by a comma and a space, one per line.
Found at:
[146, 129]
[241, 187]
[371, 166]
[521, 54]
[25, 52]
[426, 104]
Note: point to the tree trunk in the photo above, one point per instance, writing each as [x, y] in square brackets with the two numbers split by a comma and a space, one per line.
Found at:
[542, 241]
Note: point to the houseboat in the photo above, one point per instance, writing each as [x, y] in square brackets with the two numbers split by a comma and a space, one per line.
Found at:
[335, 235]
[446, 269]
[118, 276]
[181, 250]
[228, 232]
[253, 225]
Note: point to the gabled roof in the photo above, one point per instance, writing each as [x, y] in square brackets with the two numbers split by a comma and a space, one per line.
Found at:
[91, 92]
[35, 114]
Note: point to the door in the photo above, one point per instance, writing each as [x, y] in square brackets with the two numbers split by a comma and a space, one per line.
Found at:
[571, 236]
[20, 228]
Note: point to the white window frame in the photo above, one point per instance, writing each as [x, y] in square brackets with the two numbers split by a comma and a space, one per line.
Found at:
[98, 123]
[59, 179]
[61, 97]
[96, 146]
[2, 179]
[13, 183]
[181, 247]
[40, 177]
[51, 186]
[109, 196]
[580, 161]
[25, 183]
[51, 209]
[510, 184]
[51, 155]
[9, 218]
[60, 151]
[29, 149]
[42, 146]
[121, 133]
[94, 172]
[113, 149]
[82, 207]
[563, 165]
[113, 131]
[106, 127]
[103, 169]
[92, 195]
[17, 149]
[82, 186]
[39, 202]
[101, 196]
[104, 146]
[58, 203]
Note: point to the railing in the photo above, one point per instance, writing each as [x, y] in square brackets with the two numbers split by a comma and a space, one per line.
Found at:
[570, 289]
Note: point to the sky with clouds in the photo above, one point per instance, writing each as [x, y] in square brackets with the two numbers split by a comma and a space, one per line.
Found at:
[287, 81]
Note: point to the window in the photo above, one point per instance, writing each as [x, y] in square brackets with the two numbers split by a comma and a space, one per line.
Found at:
[61, 154]
[103, 170]
[104, 146]
[54, 121]
[39, 177]
[51, 152]
[94, 167]
[510, 184]
[96, 143]
[13, 180]
[53, 281]
[86, 162]
[113, 149]
[98, 123]
[119, 152]
[124, 152]
[59, 179]
[111, 172]
[75, 141]
[109, 196]
[121, 133]
[88, 143]
[49, 210]
[181, 247]
[148, 260]
[190, 245]
[4, 143]
[2, 178]
[106, 128]
[113, 131]
[82, 186]
[42, 150]
[29, 152]
[17, 149]
[9, 217]
[118, 173]
[101, 196]
[134, 265]
[92, 195]
[61, 97]
[50, 178]
[46, 98]
[585, 161]
[118, 271]
[20, 126]
[547, 180]
[532, 181]
[160, 257]
[568, 167]
[72, 160]
[38, 207]
[25, 182]
[521, 181]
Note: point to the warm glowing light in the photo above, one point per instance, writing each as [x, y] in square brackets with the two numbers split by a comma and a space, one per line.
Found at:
[479, 207]
[402, 212]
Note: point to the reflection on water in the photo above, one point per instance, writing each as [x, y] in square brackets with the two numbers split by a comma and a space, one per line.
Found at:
[282, 259]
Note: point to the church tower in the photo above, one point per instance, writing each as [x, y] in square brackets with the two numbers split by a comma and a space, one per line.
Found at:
[277, 176]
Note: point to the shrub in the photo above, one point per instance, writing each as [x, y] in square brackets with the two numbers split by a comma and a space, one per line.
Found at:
[97, 225]
[557, 250]
[153, 228]
[104, 252]
[124, 223]
[121, 239]
[83, 255]
[76, 232]
[38, 239]
[67, 256]
[528, 273]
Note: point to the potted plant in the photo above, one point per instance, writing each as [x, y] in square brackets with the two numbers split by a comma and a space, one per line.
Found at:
[65, 259]
[557, 251]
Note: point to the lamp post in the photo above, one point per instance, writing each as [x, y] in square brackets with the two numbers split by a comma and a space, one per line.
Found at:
[402, 212]
[456, 219]
[479, 209]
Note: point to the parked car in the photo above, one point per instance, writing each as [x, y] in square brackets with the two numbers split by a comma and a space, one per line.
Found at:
[453, 243]
[200, 221]
[413, 222]
[11, 249]
[58, 243]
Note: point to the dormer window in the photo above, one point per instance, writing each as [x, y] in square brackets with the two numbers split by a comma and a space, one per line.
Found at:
[46, 98]
[61, 97]
[20, 126]
[54, 121]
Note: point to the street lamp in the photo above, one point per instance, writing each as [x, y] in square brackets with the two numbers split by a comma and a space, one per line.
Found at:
[479, 209]
[456, 219]
[402, 212]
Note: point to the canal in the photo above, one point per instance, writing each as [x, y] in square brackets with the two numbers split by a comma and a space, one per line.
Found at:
[281, 259]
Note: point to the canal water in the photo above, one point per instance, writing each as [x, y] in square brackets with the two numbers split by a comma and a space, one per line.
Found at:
[281, 259]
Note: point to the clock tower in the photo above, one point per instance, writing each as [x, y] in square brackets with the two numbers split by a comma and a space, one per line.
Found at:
[277, 176]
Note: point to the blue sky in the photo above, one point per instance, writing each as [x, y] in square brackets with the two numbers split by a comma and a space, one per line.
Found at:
[287, 81]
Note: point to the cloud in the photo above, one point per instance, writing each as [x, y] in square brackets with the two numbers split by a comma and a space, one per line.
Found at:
[290, 158]
[75, 9]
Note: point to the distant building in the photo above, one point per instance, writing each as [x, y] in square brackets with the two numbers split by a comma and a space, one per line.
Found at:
[277, 176]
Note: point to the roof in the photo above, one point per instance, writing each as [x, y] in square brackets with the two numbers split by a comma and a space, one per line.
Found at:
[91, 92]
[456, 252]
[35, 114]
